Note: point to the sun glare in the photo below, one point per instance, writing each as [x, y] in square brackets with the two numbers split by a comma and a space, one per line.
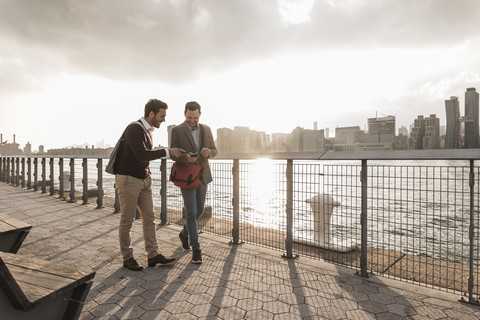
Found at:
[295, 11]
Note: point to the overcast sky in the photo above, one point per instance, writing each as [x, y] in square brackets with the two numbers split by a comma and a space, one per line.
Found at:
[75, 71]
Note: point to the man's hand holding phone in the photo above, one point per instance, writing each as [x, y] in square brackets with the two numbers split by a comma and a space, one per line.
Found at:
[192, 157]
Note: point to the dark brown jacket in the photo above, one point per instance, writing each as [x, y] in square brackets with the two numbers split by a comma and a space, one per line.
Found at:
[182, 138]
[136, 153]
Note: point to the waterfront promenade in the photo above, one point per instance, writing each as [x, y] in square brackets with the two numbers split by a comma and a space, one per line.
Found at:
[234, 281]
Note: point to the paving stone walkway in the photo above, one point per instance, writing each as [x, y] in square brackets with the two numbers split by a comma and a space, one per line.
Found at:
[234, 281]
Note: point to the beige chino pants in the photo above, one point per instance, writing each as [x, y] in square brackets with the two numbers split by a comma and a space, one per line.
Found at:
[133, 193]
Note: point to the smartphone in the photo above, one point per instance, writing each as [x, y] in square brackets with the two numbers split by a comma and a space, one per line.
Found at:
[194, 154]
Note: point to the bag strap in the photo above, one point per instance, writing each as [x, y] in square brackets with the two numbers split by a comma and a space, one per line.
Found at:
[138, 122]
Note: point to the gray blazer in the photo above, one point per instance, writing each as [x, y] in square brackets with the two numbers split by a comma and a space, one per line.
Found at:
[182, 138]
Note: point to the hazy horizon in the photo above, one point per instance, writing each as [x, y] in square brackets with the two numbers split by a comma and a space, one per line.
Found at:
[74, 71]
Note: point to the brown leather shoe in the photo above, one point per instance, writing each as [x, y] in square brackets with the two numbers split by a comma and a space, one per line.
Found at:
[132, 265]
[159, 258]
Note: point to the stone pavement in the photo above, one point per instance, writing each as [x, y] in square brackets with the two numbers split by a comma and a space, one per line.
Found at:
[234, 281]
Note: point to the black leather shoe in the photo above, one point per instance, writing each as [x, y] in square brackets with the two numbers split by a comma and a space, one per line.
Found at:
[159, 259]
[132, 265]
[184, 240]
[197, 256]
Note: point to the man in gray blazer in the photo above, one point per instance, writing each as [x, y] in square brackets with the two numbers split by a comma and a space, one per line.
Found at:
[197, 140]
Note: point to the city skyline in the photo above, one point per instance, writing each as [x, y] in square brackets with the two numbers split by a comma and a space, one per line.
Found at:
[425, 132]
[74, 72]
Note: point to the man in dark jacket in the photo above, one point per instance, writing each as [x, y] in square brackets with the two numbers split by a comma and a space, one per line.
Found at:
[134, 183]
[197, 140]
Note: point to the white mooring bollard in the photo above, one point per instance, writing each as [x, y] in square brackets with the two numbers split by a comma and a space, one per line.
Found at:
[322, 207]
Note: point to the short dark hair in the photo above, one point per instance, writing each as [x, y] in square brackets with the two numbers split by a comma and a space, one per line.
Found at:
[192, 106]
[154, 105]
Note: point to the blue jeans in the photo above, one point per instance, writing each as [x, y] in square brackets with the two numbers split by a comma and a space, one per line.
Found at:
[194, 201]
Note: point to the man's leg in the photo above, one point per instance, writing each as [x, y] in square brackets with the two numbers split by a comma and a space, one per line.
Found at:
[145, 206]
[128, 190]
[201, 195]
[190, 202]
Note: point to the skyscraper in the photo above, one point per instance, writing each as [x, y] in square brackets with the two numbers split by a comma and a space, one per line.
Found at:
[452, 136]
[471, 119]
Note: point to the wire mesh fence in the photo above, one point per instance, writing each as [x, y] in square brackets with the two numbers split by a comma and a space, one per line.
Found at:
[415, 221]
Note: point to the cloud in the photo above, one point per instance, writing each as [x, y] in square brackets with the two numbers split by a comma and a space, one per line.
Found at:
[176, 41]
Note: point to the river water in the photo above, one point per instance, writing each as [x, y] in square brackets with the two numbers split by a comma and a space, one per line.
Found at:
[416, 207]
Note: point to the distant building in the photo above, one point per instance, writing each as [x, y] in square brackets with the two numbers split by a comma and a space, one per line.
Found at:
[281, 142]
[417, 132]
[303, 140]
[347, 138]
[383, 129]
[28, 149]
[431, 139]
[401, 142]
[241, 139]
[471, 119]
[452, 133]
[403, 131]
[224, 140]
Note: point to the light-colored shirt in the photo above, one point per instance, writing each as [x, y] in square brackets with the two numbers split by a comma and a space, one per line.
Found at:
[195, 135]
[150, 129]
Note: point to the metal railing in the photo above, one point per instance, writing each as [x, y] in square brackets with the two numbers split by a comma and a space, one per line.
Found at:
[409, 215]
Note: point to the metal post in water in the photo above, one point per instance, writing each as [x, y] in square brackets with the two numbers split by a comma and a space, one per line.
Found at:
[2, 165]
[12, 177]
[236, 202]
[35, 174]
[72, 179]
[289, 212]
[100, 183]
[52, 181]
[363, 221]
[163, 192]
[23, 172]
[44, 176]
[61, 187]
[116, 205]
[85, 181]
[17, 172]
[29, 173]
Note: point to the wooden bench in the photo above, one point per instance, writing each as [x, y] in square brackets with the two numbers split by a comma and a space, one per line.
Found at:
[12, 233]
[38, 289]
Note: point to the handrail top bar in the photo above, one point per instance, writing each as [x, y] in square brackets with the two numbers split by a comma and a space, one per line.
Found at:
[437, 154]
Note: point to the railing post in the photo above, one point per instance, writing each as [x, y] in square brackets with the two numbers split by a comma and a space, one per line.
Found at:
[289, 212]
[29, 173]
[2, 173]
[52, 184]
[85, 181]
[100, 183]
[61, 186]
[9, 171]
[23, 172]
[163, 192]
[116, 205]
[44, 176]
[236, 202]
[72, 179]
[12, 177]
[17, 172]
[363, 221]
[35, 174]
[471, 235]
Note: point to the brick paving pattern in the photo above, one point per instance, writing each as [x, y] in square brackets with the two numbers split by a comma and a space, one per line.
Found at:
[234, 281]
